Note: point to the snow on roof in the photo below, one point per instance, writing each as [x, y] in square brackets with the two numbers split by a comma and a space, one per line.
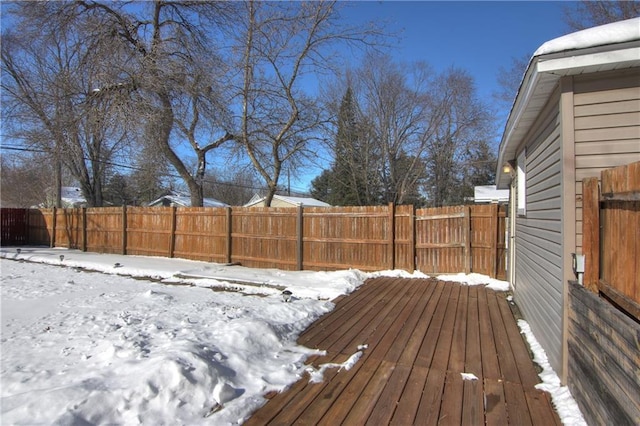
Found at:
[181, 200]
[616, 32]
[489, 194]
[294, 201]
[304, 201]
[72, 195]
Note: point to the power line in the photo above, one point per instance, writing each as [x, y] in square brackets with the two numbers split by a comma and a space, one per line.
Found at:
[134, 168]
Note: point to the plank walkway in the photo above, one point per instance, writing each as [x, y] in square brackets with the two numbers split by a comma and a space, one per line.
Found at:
[421, 335]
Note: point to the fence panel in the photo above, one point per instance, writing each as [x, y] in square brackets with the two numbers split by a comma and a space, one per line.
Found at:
[620, 241]
[501, 244]
[104, 233]
[440, 240]
[201, 234]
[264, 237]
[40, 226]
[68, 232]
[148, 231]
[347, 237]
[14, 226]
[405, 238]
[488, 226]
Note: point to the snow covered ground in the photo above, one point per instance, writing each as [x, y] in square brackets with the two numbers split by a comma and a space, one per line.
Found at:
[97, 338]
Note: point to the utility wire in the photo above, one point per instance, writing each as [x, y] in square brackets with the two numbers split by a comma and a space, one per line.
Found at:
[134, 168]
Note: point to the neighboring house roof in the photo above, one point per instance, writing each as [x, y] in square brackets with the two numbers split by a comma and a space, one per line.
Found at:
[183, 201]
[489, 194]
[288, 201]
[72, 197]
[607, 47]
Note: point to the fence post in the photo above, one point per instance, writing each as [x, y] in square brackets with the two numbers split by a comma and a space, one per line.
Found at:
[27, 226]
[124, 229]
[467, 239]
[299, 232]
[591, 233]
[172, 235]
[84, 229]
[413, 250]
[392, 236]
[229, 229]
[53, 225]
[495, 228]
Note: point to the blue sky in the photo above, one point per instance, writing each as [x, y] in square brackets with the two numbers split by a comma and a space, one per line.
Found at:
[478, 36]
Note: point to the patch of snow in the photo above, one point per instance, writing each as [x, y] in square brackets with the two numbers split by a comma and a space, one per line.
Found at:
[317, 375]
[468, 376]
[476, 279]
[565, 405]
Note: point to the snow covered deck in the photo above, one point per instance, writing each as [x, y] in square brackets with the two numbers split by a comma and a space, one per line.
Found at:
[436, 353]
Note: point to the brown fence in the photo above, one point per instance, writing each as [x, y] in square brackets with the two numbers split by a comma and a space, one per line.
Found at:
[442, 240]
[14, 226]
[611, 242]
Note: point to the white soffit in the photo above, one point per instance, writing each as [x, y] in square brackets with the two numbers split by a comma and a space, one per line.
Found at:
[601, 61]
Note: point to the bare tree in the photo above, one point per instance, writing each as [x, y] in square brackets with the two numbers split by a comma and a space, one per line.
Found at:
[49, 75]
[236, 189]
[509, 80]
[466, 123]
[170, 49]
[586, 14]
[281, 43]
[25, 179]
[397, 104]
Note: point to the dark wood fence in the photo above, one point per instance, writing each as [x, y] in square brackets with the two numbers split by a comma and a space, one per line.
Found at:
[611, 236]
[442, 240]
[603, 360]
[14, 226]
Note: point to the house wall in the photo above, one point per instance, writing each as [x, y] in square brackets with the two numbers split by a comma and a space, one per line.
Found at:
[538, 284]
[607, 127]
[280, 203]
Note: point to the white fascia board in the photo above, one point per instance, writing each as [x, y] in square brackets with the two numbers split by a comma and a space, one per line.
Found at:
[508, 147]
[564, 66]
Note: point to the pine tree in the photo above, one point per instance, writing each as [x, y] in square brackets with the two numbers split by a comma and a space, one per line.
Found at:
[348, 182]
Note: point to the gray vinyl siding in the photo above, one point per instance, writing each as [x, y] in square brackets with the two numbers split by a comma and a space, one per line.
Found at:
[607, 127]
[538, 277]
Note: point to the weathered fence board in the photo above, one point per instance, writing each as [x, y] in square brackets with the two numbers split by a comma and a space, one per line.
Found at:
[611, 231]
[440, 240]
[604, 367]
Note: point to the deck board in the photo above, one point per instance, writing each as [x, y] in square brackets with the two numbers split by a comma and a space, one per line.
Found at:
[421, 335]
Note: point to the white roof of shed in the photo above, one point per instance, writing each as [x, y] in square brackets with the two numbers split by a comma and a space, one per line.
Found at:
[294, 201]
[489, 194]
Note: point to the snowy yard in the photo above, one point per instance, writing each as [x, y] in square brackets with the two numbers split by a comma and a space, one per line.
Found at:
[84, 342]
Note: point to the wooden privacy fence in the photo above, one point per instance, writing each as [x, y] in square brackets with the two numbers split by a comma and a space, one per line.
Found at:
[611, 236]
[14, 226]
[440, 240]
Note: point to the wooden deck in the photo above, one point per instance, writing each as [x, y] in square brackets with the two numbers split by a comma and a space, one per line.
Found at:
[421, 335]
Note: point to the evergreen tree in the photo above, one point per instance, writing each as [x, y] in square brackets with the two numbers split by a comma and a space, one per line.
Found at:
[349, 181]
[320, 187]
[346, 186]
